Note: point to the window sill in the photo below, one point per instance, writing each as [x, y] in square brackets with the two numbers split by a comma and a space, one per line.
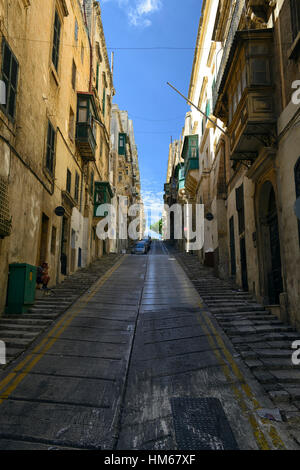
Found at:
[294, 51]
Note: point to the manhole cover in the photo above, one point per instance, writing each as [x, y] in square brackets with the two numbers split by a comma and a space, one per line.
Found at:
[201, 424]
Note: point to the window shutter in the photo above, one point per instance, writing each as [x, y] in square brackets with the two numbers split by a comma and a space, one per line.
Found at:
[10, 69]
[56, 41]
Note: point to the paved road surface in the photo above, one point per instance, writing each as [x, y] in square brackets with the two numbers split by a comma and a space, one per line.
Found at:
[108, 374]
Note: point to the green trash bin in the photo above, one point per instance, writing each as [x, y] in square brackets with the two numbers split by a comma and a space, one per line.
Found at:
[21, 288]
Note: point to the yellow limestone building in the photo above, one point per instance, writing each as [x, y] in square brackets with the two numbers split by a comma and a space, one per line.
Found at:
[54, 134]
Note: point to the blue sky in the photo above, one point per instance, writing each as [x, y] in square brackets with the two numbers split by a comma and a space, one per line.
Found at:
[140, 75]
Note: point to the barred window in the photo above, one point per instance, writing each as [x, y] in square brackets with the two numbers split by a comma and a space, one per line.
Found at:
[69, 179]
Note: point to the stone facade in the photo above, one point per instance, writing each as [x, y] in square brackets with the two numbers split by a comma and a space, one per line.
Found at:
[54, 134]
[244, 78]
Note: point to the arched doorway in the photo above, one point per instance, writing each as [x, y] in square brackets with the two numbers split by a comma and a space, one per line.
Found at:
[270, 244]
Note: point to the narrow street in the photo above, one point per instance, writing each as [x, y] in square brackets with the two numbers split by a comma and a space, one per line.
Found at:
[136, 363]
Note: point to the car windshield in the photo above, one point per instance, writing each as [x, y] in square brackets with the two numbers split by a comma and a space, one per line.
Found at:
[140, 245]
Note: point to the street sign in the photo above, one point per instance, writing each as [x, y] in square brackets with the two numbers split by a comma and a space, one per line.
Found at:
[60, 211]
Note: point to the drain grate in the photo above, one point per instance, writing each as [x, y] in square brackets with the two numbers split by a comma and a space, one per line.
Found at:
[201, 424]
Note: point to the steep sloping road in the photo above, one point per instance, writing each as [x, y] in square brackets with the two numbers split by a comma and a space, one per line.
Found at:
[136, 363]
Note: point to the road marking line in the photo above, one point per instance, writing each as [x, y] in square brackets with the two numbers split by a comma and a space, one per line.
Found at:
[47, 342]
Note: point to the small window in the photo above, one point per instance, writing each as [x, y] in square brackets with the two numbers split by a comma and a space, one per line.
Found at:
[92, 183]
[76, 31]
[76, 192]
[103, 101]
[69, 179]
[10, 69]
[50, 148]
[71, 124]
[73, 75]
[53, 240]
[56, 41]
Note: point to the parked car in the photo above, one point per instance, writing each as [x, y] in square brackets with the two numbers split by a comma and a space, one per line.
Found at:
[147, 243]
[140, 248]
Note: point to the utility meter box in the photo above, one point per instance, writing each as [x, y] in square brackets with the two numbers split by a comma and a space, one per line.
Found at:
[21, 288]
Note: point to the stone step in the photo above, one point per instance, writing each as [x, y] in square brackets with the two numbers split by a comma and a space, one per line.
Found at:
[244, 330]
[42, 316]
[253, 308]
[270, 364]
[257, 338]
[23, 321]
[14, 333]
[16, 343]
[10, 326]
[227, 317]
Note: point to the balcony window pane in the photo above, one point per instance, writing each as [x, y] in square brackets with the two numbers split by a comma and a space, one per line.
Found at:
[259, 71]
[82, 115]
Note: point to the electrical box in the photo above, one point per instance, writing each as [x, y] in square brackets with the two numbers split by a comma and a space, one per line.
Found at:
[21, 288]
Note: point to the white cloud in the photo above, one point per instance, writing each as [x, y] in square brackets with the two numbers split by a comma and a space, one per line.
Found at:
[138, 11]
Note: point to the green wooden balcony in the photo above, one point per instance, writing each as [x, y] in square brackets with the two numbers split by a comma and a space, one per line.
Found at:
[85, 126]
[85, 141]
[103, 195]
[190, 154]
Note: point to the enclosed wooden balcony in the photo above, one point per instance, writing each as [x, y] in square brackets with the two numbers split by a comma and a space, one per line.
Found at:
[245, 98]
[86, 126]
[103, 195]
[190, 155]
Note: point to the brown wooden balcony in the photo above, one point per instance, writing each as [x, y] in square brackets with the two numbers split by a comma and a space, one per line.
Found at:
[245, 98]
